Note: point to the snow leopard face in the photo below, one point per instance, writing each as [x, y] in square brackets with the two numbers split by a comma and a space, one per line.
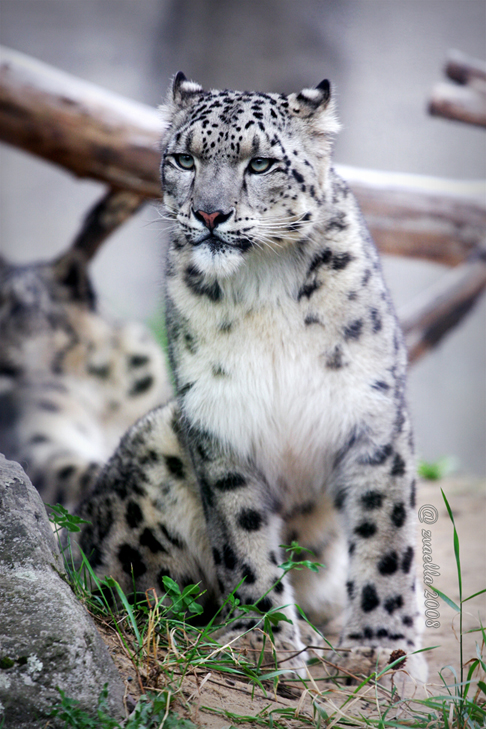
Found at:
[238, 173]
[38, 303]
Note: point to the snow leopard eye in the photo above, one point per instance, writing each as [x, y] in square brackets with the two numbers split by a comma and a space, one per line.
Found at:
[259, 165]
[184, 161]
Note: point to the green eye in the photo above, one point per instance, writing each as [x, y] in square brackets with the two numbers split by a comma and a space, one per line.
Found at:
[185, 161]
[258, 165]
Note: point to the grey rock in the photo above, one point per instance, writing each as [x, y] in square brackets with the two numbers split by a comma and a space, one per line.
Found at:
[47, 638]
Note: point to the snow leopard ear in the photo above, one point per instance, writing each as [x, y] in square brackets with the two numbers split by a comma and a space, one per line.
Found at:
[184, 91]
[314, 98]
[181, 94]
[70, 271]
[317, 105]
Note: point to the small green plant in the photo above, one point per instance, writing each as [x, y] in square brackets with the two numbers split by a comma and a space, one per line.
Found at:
[151, 712]
[464, 711]
[183, 603]
[62, 519]
[156, 324]
[70, 711]
[437, 470]
[295, 550]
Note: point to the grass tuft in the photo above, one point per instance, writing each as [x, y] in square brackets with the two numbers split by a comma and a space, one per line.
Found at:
[437, 470]
[173, 660]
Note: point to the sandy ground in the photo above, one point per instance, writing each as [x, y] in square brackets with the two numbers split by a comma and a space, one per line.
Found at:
[468, 502]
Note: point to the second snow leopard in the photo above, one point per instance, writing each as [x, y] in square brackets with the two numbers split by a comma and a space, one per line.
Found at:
[290, 421]
[71, 380]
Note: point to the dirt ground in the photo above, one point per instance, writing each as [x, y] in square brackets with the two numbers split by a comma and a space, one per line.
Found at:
[467, 498]
[468, 503]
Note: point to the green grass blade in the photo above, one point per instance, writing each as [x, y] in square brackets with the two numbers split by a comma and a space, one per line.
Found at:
[470, 672]
[448, 600]
[456, 545]
[102, 600]
[481, 592]
[129, 610]
[304, 617]
[480, 657]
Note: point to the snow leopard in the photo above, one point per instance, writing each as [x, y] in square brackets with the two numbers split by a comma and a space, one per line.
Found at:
[71, 380]
[290, 421]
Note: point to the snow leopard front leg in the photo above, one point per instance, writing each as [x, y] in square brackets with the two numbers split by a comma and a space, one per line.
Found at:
[375, 494]
[245, 528]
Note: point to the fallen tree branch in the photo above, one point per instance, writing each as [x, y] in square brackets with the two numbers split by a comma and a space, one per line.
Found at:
[420, 217]
[91, 132]
[98, 134]
[464, 69]
[104, 217]
[427, 319]
[460, 103]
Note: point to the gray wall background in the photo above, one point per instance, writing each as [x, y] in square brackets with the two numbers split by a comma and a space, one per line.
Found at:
[382, 56]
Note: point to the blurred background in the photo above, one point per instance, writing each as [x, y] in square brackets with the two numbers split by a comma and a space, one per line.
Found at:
[382, 57]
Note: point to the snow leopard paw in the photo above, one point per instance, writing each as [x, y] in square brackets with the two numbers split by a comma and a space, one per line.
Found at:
[358, 662]
[286, 652]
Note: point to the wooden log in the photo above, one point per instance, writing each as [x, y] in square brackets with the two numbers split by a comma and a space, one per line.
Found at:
[104, 217]
[95, 133]
[418, 216]
[73, 123]
[460, 103]
[464, 69]
[432, 315]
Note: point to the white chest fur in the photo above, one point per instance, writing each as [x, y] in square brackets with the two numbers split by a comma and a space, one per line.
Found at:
[261, 386]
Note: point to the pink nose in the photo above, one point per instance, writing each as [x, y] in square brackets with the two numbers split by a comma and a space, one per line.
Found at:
[209, 218]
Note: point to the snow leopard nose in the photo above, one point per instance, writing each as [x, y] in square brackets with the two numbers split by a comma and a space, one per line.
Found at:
[211, 220]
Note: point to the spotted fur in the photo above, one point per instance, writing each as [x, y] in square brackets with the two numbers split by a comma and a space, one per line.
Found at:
[71, 382]
[290, 421]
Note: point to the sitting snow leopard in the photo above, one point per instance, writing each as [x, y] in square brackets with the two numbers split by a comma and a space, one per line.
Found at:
[71, 383]
[290, 421]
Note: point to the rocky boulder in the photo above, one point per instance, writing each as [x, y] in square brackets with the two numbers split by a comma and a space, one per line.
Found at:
[47, 638]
